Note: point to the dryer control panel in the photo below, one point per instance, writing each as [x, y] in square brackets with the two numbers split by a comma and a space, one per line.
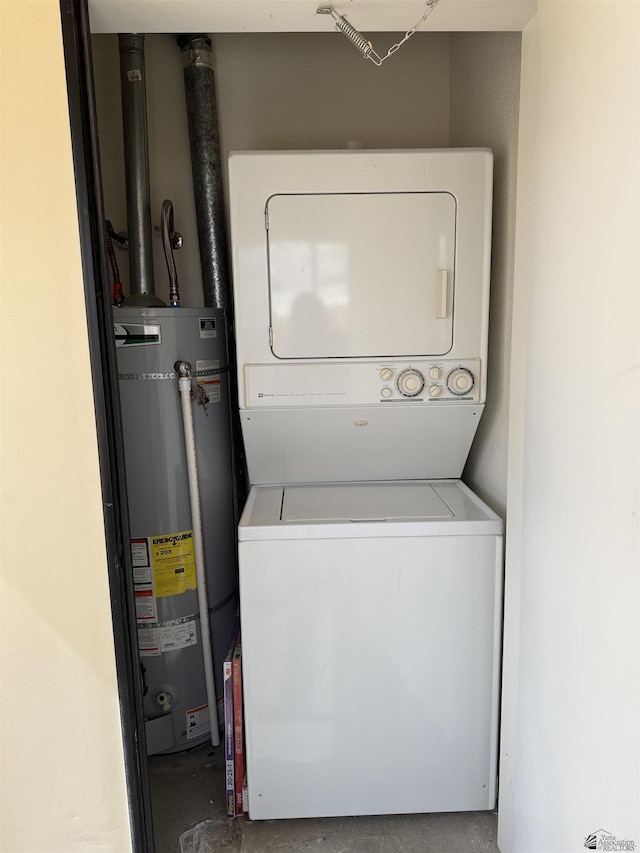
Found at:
[362, 384]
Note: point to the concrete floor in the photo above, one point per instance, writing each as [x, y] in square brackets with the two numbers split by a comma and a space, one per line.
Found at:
[189, 817]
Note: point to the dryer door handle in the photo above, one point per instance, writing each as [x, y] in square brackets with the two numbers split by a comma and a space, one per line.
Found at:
[441, 294]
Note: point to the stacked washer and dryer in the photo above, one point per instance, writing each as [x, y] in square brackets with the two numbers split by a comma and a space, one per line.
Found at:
[370, 575]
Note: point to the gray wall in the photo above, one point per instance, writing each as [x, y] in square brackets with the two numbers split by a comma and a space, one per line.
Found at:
[485, 87]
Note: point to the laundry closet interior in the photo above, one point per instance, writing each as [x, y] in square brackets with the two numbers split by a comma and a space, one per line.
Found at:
[308, 110]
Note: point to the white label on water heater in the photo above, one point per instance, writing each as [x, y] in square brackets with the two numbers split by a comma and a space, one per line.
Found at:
[173, 637]
[198, 722]
[145, 605]
[208, 379]
[148, 645]
[141, 562]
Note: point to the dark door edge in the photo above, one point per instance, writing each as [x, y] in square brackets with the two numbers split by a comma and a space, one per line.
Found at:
[86, 161]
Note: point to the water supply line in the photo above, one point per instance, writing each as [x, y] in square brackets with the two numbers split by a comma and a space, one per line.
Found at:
[206, 167]
[183, 369]
[170, 240]
[136, 163]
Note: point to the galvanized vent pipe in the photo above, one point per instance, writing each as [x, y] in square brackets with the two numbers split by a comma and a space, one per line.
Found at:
[136, 164]
[202, 117]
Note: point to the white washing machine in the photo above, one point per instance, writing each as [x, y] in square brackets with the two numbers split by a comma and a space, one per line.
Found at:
[370, 578]
[371, 620]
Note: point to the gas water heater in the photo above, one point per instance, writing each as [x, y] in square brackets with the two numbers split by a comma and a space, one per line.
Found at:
[149, 343]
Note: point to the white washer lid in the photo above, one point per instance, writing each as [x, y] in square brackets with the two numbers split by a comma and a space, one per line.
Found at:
[362, 502]
[360, 510]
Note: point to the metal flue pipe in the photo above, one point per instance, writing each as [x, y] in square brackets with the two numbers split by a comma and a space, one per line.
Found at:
[136, 163]
[202, 117]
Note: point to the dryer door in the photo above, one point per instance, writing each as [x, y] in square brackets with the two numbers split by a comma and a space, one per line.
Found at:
[361, 275]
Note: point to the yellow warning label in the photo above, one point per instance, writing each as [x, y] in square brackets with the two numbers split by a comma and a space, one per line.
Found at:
[174, 563]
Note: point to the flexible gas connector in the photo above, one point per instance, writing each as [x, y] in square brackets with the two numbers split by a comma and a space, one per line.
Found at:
[166, 229]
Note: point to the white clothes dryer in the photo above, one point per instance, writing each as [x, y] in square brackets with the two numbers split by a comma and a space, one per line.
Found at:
[361, 285]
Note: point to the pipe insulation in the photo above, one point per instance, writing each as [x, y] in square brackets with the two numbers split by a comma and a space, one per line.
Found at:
[183, 369]
[136, 164]
[204, 140]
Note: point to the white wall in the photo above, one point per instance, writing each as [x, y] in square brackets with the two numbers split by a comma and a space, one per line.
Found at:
[275, 91]
[571, 700]
[62, 770]
[484, 85]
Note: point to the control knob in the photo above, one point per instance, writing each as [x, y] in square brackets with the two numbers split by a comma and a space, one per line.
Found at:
[410, 382]
[460, 381]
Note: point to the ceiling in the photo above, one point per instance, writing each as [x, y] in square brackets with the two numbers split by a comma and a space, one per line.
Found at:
[245, 16]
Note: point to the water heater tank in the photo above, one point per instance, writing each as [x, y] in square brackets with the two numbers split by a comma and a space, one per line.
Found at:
[149, 341]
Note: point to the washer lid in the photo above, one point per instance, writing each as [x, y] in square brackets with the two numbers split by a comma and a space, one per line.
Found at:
[363, 502]
[365, 510]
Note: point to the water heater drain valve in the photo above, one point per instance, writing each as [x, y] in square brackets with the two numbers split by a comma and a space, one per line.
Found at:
[165, 700]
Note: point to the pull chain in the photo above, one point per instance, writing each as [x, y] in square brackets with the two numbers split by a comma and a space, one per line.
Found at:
[362, 43]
